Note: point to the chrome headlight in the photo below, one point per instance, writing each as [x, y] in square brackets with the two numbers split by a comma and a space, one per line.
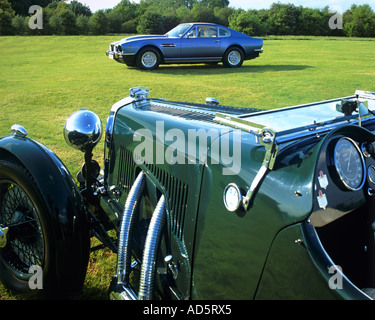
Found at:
[83, 130]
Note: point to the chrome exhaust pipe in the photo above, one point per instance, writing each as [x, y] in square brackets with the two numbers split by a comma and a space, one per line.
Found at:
[120, 288]
[147, 279]
[124, 251]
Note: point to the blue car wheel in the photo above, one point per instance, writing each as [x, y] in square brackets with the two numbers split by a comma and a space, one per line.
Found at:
[233, 57]
[148, 59]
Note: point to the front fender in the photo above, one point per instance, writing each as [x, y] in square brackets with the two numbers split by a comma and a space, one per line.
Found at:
[62, 198]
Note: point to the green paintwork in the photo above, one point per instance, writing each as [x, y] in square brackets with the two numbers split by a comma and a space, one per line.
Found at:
[234, 255]
[232, 248]
[64, 204]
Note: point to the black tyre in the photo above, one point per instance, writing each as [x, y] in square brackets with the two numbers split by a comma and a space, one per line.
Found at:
[148, 59]
[233, 58]
[27, 245]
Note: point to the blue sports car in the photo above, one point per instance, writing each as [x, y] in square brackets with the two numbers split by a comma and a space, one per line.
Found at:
[187, 43]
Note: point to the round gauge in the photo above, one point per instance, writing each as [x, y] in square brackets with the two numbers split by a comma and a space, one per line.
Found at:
[371, 173]
[350, 164]
[232, 197]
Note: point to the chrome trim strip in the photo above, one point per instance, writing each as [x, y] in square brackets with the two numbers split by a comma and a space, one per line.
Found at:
[193, 60]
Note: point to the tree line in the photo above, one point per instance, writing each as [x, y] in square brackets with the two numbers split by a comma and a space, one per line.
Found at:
[159, 16]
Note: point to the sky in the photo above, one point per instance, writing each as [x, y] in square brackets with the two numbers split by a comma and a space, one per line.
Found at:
[337, 5]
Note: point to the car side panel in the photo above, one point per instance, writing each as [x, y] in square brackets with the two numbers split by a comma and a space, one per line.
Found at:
[200, 47]
[170, 48]
[231, 248]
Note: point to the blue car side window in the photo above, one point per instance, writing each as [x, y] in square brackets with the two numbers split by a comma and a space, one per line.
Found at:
[206, 32]
[224, 32]
[192, 33]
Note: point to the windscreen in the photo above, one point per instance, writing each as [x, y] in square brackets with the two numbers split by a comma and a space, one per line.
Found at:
[301, 116]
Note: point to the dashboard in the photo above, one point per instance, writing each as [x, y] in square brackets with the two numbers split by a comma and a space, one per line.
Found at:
[345, 174]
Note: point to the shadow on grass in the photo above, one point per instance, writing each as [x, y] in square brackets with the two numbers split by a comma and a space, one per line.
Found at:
[86, 293]
[203, 69]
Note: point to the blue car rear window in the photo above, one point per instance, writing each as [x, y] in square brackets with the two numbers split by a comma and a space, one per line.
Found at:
[224, 32]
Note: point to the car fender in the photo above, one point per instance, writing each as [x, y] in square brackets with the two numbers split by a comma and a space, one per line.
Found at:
[226, 49]
[134, 46]
[62, 198]
[157, 47]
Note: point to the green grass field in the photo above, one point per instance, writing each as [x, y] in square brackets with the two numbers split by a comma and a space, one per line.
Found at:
[45, 79]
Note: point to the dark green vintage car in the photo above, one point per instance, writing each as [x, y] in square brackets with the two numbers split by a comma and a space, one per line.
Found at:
[206, 201]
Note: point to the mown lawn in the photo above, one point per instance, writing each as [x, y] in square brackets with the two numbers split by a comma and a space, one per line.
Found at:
[45, 79]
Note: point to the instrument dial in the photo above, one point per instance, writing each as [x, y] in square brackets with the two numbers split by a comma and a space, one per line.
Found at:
[350, 164]
[232, 197]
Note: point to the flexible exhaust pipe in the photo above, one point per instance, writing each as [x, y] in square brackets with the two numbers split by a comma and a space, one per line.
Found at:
[147, 279]
[124, 251]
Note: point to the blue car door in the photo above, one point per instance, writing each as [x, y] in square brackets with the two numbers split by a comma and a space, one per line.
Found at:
[171, 48]
[201, 42]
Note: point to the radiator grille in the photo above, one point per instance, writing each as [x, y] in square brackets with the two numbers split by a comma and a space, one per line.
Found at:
[177, 190]
[126, 168]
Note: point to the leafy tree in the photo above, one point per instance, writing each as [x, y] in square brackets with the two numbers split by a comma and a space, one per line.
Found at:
[311, 22]
[202, 13]
[151, 23]
[21, 7]
[98, 23]
[187, 3]
[114, 21]
[248, 22]
[68, 21]
[170, 18]
[359, 21]
[18, 24]
[6, 22]
[223, 14]
[124, 17]
[56, 25]
[80, 9]
[82, 23]
[6, 17]
[158, 16]
[126, 10]
[129, 26]
[215, 3]
[184, 14]
[164, 4]
[283, 19]
[6, 6]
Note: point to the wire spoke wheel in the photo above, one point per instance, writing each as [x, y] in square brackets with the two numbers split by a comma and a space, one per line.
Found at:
[24, 244]
[36, 233]
[25, 237]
